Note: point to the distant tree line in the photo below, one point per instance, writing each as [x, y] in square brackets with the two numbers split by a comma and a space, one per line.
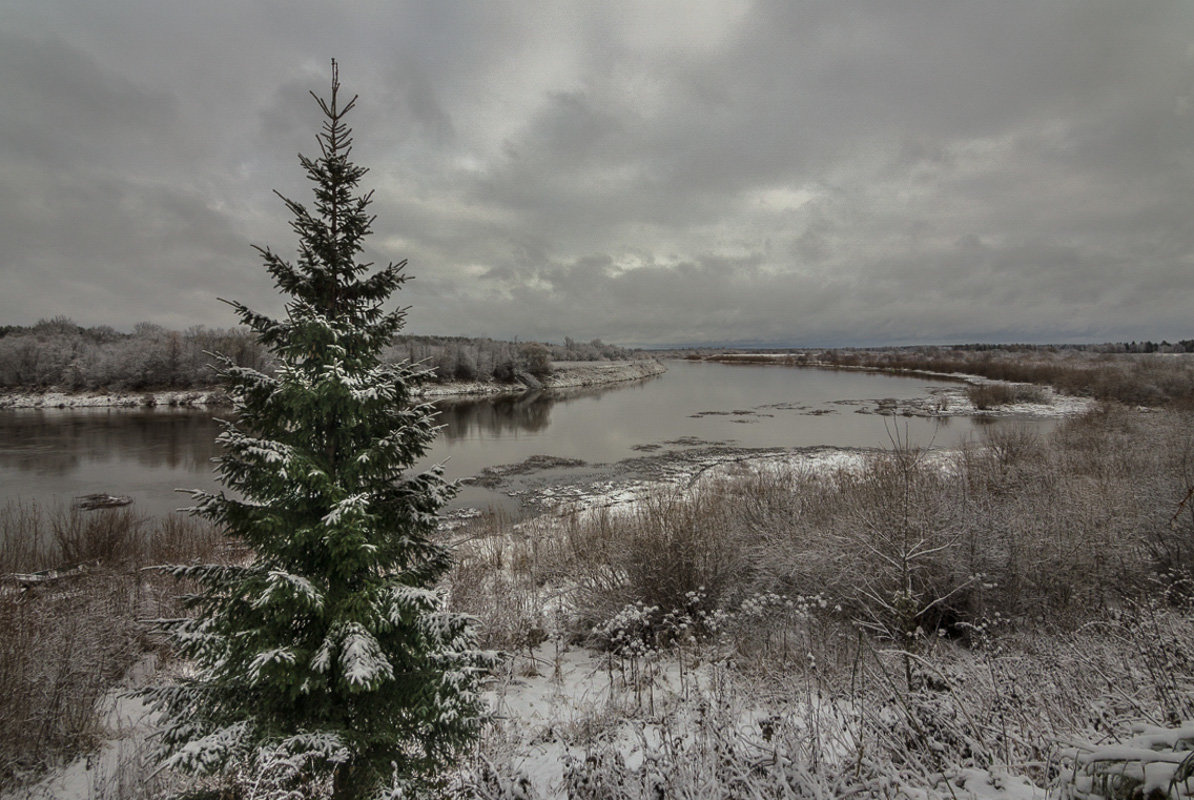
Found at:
[1181, 346]
[1164, 346]
[457, 358]
[61, 354]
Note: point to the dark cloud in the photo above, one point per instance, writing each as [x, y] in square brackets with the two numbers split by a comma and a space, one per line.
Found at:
[664, 172]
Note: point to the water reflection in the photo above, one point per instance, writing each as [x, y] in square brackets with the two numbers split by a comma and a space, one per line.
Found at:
[502, 415]
[53, 443]
[493, 417]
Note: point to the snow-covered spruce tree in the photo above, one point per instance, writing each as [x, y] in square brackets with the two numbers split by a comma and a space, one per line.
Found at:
[331, 647]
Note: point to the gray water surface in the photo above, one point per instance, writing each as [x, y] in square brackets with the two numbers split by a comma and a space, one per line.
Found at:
[55, 455]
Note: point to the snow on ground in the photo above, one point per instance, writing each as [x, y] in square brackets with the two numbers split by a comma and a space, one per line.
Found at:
[556, 699]
[567, 375]
[993, 784]
[541, 701]
[1053, 403]
[691, 473]
[560, 707]
[120, 759]
[952, 401]
[55, 399]
[573, 374]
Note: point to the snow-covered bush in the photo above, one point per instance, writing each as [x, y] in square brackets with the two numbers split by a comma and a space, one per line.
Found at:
[670, 547]
[1155, 764]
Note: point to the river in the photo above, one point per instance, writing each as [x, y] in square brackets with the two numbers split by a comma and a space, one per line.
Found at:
[52, 455]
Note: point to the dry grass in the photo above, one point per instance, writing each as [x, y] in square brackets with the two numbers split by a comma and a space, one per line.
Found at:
[66, 641]
[1027, 526]
[59, 654]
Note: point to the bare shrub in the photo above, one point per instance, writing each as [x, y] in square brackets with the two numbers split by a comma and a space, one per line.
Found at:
[60, 651]
[110, 536]
[497, 576]
[1011, 445]
[899, 543]
[986, 396]
[668, 548]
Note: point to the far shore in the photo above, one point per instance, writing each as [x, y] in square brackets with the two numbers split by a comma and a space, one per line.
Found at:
[565, 375]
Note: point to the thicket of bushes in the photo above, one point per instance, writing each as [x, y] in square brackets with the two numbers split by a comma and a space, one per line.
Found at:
[986, 396]
[57, 353]
[60, 354]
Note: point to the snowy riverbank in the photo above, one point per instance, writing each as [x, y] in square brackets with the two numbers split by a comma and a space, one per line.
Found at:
[954, 401]
[54, 398]
[566, 375]
[950, 400]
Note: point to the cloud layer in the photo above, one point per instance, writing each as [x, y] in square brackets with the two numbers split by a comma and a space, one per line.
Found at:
[663, 172]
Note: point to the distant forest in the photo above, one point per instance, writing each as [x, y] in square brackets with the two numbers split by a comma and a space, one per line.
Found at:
[58, 353]
[1144, 347]
[1164, 346]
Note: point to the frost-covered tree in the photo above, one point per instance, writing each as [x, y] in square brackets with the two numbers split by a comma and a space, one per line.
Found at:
[330, 647]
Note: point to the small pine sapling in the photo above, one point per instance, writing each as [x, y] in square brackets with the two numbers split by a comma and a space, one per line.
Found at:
[331, 646]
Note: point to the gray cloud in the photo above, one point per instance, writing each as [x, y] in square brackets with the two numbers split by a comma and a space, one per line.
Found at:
[665, 172]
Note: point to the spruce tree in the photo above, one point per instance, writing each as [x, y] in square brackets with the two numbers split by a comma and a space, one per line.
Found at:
[330, 649]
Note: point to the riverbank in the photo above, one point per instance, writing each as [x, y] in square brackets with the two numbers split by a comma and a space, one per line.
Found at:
[954, 400]
[566, 375]
[1134, 379]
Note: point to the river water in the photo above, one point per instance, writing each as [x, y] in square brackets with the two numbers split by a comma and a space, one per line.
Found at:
[52, 455]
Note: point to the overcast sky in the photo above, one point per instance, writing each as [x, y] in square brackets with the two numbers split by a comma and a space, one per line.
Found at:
[660, 172]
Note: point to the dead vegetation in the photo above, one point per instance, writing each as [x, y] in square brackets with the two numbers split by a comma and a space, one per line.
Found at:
[72, 592]
[890, 626]
[1063, 525]
[1156, 380]
[1138, 379]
